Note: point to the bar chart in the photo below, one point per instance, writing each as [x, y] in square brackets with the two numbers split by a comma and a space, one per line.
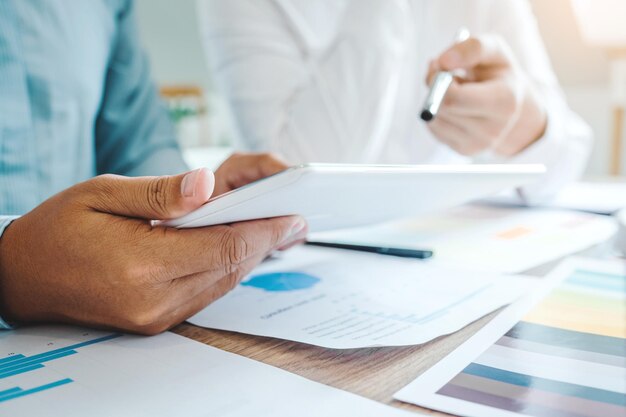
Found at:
[567, 357]
[17, 364]
[564, 356]
[62, 371]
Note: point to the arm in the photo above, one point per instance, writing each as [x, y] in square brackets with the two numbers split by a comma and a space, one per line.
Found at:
[134, 135]
[510, 107]
[567, 141]
[313, 86]
[102, 263]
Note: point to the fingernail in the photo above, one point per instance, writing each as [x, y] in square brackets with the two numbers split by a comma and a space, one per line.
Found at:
[296, 230]
[188, 186]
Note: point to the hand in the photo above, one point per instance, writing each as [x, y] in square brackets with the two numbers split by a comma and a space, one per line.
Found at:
[494, 107]
[90, 256]
[243, 168]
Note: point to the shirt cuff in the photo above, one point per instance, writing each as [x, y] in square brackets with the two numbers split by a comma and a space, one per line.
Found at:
[5, 221]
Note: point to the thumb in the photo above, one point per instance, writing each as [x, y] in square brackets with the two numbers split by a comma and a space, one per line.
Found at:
[151, 198]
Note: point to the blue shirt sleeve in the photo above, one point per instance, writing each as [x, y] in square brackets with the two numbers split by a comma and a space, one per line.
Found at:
[134, 134]
[5, 221]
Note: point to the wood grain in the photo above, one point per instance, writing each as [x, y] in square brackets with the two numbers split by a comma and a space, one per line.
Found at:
[375, 373]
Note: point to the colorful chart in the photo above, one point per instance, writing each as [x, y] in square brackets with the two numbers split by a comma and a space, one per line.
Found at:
[18, 364]
[566, 358]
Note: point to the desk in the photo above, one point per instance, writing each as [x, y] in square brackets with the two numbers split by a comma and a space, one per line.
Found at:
[375, 373]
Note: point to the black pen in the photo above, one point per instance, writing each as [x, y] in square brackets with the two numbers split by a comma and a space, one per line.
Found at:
[401, 252]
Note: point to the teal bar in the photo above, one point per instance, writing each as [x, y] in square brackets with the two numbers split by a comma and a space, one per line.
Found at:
[21, 370]
[10, 391]
[558, 387]
[34, 360]
[35, 390]
[61, 350]
[11, 359]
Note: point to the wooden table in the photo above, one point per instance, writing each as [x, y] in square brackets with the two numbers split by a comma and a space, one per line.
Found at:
[375, 373]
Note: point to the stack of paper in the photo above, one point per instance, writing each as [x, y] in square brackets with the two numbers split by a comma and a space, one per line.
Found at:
[342, 299]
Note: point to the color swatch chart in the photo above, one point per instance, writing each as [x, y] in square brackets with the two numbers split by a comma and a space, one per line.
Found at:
[565, 358]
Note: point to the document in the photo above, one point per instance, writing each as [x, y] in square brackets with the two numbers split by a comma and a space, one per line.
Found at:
[341, 299]
[559, 352]
[594, 197]
[74, 372]
[488, 238]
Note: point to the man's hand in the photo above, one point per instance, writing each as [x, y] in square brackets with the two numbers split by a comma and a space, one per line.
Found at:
[89, 255]
[243, 168]
[494, 107]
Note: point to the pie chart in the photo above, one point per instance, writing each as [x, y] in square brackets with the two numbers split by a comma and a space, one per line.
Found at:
[282, 281]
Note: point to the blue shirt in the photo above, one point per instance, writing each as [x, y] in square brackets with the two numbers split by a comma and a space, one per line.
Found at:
[76, 100]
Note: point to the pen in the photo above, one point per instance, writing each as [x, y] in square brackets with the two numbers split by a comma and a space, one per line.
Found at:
[440, 85]
[401, 252]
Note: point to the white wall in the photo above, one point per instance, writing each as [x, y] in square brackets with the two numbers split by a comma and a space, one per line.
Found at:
[169, 31]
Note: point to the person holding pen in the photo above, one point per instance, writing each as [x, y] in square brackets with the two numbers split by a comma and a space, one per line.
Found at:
[346, 81]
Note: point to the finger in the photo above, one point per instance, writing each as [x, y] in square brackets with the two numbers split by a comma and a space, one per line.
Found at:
[175, 253]
[488, 50]
[184, 290]
[458, 137]
[191, 303]
[295, 240]
[194, 305]
[480, 99]
[242, 169]
[482, 133]
[433, 68]
[150, 198]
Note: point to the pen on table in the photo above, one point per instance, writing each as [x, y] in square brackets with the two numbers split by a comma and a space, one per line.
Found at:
[440, 85]
[381, 250]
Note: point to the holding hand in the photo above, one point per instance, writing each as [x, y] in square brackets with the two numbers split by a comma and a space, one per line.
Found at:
[89, 255]
[494, 107]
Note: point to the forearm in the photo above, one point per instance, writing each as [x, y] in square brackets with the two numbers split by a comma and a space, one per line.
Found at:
[134, 135]
[565, 146]
[564, 149]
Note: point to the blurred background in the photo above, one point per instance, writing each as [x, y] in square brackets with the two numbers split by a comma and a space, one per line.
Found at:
[586, 68]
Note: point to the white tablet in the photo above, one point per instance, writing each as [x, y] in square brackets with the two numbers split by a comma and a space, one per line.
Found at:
[338, 196]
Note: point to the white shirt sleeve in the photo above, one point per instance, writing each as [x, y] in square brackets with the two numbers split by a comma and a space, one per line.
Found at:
[302, 82]
[5, 221]
[566, 144]
[322, 82]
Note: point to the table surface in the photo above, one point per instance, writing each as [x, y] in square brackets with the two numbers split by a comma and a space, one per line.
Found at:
[375, 373]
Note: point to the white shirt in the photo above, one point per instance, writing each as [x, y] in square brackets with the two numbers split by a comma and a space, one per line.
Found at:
[343, 80]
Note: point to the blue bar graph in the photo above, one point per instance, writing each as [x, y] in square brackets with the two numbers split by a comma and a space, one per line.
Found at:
[19, 364]
[10, 391]
[18, 392]
[21, 370]
[16, 367]
[11, 359]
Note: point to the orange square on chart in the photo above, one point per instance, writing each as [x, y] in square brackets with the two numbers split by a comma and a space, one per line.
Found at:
[514, 233]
